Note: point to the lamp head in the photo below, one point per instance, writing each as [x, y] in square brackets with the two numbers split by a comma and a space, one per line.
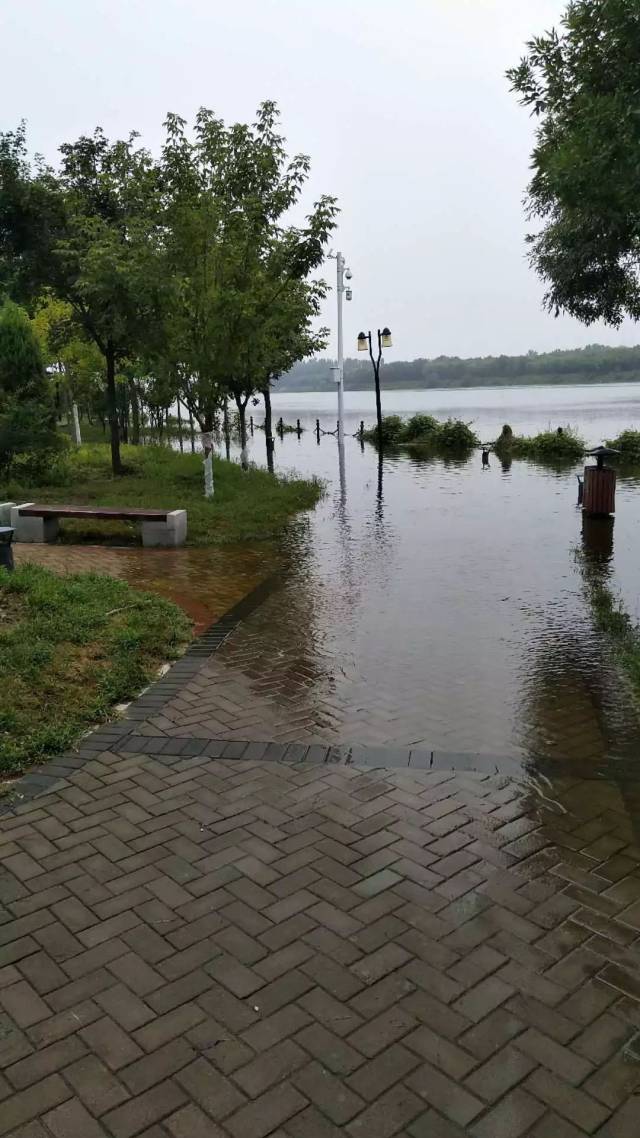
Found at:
[363, 342]
[385, 338]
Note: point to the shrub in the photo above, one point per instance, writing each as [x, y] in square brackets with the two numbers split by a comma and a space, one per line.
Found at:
[456, 435]
[419, 426]
[628, 443]
[27, 420]
[453, 435]
[562, 443]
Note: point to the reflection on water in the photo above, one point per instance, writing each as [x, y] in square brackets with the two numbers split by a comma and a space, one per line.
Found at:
[448, 607]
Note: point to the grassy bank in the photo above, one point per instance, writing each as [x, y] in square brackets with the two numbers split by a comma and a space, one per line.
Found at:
[70, 648]
[247, 504]
[424, 431]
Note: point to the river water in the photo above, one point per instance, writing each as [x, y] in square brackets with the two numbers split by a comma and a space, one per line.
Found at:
[439, 604]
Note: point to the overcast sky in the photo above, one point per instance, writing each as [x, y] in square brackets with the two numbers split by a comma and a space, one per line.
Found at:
[402, 105]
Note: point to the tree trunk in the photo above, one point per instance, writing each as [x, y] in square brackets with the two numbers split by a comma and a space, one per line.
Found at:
[180, 427]
[192, 433]
[76, 424]
[225, 427]
[207, 440]
[268, 428]
[112, 409]
[135, 414]
[241, 404]
[124, 414]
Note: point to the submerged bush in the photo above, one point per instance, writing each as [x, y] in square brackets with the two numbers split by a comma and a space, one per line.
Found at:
[561, 443]
[456, 435]
[419, 426]
[628, 443]
[424, 430]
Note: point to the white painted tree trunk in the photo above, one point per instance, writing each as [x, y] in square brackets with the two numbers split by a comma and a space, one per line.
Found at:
[76, 425]
[207, 443]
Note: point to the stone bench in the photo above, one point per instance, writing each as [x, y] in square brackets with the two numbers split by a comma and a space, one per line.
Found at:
[32, 522]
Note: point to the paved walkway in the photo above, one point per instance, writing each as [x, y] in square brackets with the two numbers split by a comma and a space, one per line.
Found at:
[195, 946]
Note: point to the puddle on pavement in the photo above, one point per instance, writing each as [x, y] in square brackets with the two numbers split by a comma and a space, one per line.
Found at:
[205, 582]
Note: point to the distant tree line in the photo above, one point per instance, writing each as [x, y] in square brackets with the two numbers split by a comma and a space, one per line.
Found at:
[593, 364]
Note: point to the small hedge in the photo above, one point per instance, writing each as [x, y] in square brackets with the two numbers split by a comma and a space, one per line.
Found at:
[424, 430]
[628, 443]
[563, 443]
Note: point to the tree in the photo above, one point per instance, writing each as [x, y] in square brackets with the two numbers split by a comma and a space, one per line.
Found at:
[234, 263]
[27, 418]
[75, 362]
[582, 85]
[90, 233]
[22, 374]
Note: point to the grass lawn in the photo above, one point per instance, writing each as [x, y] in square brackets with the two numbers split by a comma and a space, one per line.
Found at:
[248, 505]
[70, 648]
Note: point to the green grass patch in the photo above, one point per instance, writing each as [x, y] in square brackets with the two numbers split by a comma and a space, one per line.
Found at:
[70, 648]
[248, 505]
[423, 430]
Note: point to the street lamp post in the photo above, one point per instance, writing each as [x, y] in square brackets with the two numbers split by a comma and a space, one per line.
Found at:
[365, 343]
[341, 291]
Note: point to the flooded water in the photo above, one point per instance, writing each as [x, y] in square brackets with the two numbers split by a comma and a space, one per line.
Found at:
[428, 602]
[431, 602]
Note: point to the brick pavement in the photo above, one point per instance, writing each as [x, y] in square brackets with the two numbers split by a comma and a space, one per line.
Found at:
[280, 676]
[199, 946]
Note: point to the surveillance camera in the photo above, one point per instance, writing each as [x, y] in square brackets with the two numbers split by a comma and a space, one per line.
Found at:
[348, 274]
[349, 294]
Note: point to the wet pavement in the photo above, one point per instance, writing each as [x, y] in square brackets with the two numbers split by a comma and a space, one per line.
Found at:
[366, 861]
[211, 944]
[205, 582]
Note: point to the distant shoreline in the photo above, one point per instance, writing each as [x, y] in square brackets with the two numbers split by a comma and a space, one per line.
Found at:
[497, 385]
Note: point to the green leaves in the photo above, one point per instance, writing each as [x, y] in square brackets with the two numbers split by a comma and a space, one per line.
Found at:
[582, 84]
[242, 304]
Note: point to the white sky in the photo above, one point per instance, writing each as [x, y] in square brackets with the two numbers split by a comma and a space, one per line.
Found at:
[402, 105]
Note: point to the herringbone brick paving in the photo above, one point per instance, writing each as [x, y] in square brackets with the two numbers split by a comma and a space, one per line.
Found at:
[201, 947]
[278, 678]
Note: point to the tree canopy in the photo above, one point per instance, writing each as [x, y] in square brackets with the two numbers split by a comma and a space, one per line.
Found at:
[27, 426]
[581, 84]
[187, 272]
[242, 305]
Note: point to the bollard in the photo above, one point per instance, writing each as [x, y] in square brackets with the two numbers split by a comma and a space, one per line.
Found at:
[251, 423]
[280, 426]
[318, 430]
[361, 428]
[6, 552]
[298, 428]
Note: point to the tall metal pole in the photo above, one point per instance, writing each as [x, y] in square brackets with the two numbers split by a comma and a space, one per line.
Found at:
[340, 293]
[376, 376]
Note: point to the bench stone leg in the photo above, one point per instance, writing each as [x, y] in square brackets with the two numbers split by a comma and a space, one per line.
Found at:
[172, 533]
[5, 513]
[33, 529]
